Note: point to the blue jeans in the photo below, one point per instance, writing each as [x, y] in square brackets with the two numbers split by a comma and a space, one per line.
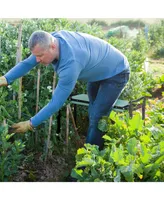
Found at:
[102, 96]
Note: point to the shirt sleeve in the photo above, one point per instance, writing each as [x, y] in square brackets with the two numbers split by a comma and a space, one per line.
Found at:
[21, 69]
[68, 76]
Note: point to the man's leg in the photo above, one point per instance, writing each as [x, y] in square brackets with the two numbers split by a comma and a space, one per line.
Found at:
[103, 94]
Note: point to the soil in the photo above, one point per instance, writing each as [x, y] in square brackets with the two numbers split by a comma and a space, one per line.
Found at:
[38, 171]
[57, 168]
[157, 93]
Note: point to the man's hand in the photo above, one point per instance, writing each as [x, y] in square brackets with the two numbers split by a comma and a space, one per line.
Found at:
[3, 81]
[22, 127]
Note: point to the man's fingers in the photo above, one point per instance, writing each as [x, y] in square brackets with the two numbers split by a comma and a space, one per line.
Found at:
[11, 130]
[15, 126]
[21, 127]
[17, 130]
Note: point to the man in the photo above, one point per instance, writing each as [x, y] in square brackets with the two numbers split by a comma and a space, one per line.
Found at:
[75, 56]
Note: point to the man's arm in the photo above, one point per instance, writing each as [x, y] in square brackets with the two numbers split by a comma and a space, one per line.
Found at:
[21, 69]
[67, 80]
[68, 76]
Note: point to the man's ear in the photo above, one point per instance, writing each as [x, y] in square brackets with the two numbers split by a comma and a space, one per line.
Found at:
[53, 45]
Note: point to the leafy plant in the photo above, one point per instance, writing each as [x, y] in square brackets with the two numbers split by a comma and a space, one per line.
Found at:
[140, 84]
[99, 22]
[133, 152]
[155, 111]
[156, 39]
[130, 23]
[10, 154]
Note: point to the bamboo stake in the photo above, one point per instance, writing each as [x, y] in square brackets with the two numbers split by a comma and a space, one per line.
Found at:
[37, 92]
[37, 101]
[50, 121]
[73, 121]
[18, 59]
[67, 125]
[4, 122]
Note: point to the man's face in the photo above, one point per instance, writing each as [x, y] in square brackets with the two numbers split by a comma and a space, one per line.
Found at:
[44, 56]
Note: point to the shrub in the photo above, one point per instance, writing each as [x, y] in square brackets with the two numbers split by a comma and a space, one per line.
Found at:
[133, 152]
[10, 154]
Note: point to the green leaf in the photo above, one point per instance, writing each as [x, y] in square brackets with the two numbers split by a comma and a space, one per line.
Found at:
[162, 78]
[78, 174]
[81, 151]
[118, 176]
[137, 168]
[94, 173]
[145, 139]
[103, 125]
[5, 113]
[9, 136]
[136, 123]
[106, 137]
[15, 85]
[132, 146]
[150, 168]
[160, 160]
[113, 115]
[127, 171]
[97, 180]
[118, 156]
[85, 162]
[161, 144]
[145, 155]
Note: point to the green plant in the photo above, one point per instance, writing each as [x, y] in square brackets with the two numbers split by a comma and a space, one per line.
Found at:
[155, 111]
[159, 53]
[140, 44]
[133, 152]
[99, 22]
[10, 154]
[156, 39]
[139, 85]
[130, 23]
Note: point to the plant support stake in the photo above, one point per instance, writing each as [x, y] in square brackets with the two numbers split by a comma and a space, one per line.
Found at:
[18, 59]
[37, 100]
[37, 92]
[67, 126]
[74, 124]
[50, 121]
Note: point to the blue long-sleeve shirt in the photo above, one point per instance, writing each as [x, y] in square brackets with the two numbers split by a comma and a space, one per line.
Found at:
[81, 57]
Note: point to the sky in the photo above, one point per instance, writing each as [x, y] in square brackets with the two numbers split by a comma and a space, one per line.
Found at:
[81, 9]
